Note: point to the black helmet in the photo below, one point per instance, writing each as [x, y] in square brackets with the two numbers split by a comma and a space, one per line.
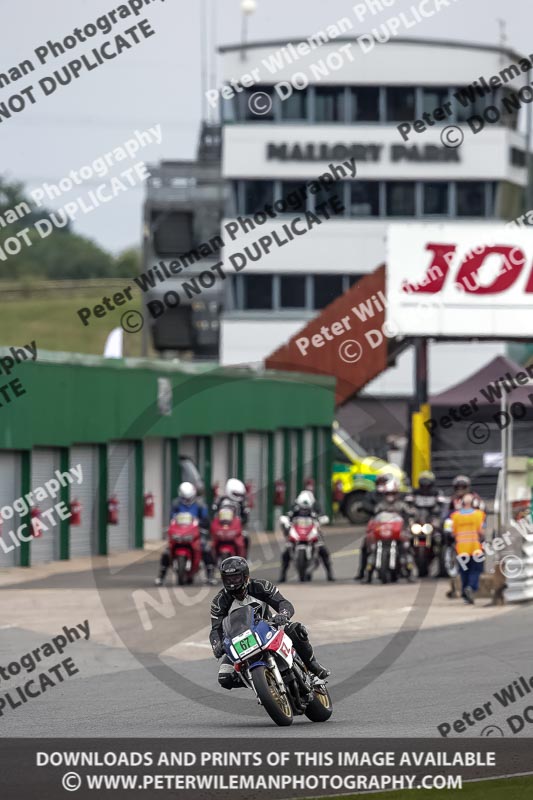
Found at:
[426, 480]
[235, 574]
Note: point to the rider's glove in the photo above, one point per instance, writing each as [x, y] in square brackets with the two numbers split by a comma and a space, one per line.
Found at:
[280, 619]
[218, 649]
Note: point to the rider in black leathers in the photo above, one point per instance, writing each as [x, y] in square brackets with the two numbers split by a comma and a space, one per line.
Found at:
[240, 591]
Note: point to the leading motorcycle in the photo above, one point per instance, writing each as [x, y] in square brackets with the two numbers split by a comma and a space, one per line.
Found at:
[264, 657]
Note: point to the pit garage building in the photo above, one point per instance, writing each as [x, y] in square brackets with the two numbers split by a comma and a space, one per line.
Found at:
[135, 426]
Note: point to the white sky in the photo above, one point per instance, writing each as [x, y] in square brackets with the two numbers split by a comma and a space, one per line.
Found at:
[158, 81]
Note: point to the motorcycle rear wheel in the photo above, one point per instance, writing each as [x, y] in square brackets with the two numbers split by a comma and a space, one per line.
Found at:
[275, 703]
[320, 708]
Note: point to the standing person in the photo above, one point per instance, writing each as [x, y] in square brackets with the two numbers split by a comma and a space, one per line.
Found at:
[188, 502]
[306, 505]
[467, 530]
[235, 494]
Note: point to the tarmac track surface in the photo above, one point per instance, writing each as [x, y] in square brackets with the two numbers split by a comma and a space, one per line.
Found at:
[404, 659]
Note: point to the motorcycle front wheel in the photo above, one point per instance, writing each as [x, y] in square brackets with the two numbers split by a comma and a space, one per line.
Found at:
[275, 703]
[181, 570]
[301, 565]
[320, 708]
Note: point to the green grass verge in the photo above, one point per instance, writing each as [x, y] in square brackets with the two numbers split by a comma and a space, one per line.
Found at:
[52, 321]
[506, 789]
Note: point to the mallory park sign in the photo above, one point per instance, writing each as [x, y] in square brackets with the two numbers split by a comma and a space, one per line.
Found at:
[284, 151]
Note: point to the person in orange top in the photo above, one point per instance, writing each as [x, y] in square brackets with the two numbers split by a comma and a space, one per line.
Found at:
[467, 528]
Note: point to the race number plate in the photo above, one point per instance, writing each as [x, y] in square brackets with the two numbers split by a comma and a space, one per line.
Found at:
[245, 643]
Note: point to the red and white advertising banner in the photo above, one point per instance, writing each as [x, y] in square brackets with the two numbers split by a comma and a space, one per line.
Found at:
[460, 280]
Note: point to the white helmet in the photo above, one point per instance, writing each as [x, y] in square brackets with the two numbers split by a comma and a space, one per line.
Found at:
[235, 490]
[187, 492]
[305, 500]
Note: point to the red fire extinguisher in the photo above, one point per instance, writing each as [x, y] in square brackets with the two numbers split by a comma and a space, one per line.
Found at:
[35, 513]
[250, 493]
[338, 493]
[309, 485]
[280, 492]
[75, 512]
[149, 505]
[112, 510]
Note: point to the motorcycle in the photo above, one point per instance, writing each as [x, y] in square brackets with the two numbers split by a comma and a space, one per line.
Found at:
[427, 538]
[388, 548]
[185, 547]
[226, 534]
[303, 541]
[267, 663]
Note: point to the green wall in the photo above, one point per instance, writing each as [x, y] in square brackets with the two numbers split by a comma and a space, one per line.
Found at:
[94, 400]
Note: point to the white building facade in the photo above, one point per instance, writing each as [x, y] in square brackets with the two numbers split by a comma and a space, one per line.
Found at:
[351, 108]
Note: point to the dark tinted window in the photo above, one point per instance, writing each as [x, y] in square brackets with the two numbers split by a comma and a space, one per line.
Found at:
[364, 200]
[172, 232]
[257, 194]
[327, 288]
[471, 199]
[290, 192]
[295, 106]
[435, 197]
[400, 103]
[256, 103]
[329, 104]
[292, 291]
[400, 199]
[434, 98]
[365, 104]
[324, 196]
[257, 292]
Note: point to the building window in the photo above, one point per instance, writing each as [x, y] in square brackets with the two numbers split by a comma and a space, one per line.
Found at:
[433, 98]
[257, 194]
[292, 291]
[329, 104]
[290, 193]
[245, 112]
[400, 199]
[435, 197]
[296, 107]
[400, 103]
[257, 292]
[509, 117]
[325, 195]
[469, 102]
[365, 104]
[471, 199]
[364, 199]
[326, 289]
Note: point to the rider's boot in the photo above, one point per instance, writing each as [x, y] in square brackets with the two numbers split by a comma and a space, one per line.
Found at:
[285, 561]
[305, 651]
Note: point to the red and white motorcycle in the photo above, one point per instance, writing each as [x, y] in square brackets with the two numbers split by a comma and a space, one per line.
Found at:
[303, 542]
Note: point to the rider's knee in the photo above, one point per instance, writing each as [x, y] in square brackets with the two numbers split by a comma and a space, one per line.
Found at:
[295, 630]
[226, 675]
